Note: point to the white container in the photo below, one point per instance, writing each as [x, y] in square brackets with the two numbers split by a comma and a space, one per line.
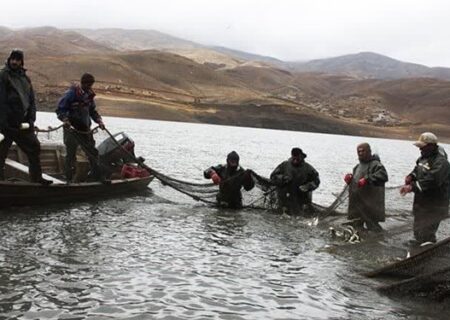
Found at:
[24, 126]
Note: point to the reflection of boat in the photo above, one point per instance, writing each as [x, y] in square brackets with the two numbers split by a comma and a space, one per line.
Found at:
[16, 190]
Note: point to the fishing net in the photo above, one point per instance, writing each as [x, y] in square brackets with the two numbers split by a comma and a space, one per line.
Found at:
[428, 272]
[434, 285]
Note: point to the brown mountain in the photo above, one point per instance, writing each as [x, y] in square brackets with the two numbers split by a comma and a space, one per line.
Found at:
[162, 85]
[369, 65]
[49, 41]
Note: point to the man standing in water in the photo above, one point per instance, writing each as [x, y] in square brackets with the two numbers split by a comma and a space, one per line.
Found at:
[429, 182]
[17, 116]
[231, 178]
[76, 109]
[295, 180]
[366, 190]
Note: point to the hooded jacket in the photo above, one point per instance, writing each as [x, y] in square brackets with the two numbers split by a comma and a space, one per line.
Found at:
[368, 202]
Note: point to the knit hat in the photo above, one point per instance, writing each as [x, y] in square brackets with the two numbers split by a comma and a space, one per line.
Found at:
[87, 78]
[233, 156]
[297, 152]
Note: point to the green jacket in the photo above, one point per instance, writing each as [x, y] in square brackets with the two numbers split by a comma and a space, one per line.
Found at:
[368, 202]
[288, 179]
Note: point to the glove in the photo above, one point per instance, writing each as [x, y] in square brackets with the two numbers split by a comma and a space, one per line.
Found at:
[362, 182]
[348, 178]
[407, 188]
[101, 125]
[408, 179]
[215, 177]
[304, 188]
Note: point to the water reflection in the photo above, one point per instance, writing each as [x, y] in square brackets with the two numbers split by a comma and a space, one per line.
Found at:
[164, 256]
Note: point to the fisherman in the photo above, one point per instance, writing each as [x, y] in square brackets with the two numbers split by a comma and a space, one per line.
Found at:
[429, 182]
[366, 190]
[76, 109]
[295, 180]
[17, 116]
[230, 177]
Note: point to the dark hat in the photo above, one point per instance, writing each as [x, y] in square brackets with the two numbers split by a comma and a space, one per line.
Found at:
[297, 152]
[16, 54]
[87, 78]
[233, 156]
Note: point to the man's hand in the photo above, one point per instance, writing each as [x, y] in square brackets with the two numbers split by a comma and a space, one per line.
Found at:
[408, 179]
[66, 123]
[362, 183]
[407, 188]
[285, 180]
[304, 188]
[101, 125]
[215, 177]
[348, 178]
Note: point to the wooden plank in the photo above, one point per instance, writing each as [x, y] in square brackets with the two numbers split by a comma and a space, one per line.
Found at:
[18, 166]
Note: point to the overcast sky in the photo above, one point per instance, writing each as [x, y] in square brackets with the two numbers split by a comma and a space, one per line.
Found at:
[409, 30]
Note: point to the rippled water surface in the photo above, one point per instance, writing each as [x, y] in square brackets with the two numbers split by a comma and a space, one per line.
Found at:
[164, 256]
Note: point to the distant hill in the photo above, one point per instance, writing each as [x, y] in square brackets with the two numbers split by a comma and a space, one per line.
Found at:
[364, 94]
[247, 56]
[137, 39]
[369, 65]
[49, 41]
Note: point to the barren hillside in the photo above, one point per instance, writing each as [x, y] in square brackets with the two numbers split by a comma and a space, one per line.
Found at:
[203, 85]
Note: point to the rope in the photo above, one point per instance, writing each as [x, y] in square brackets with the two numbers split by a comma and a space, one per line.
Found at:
[161, 176]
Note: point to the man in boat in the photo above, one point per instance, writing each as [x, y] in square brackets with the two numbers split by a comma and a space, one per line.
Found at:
[429, 182]
[75, 109]
[17, 116]
[366, 190]
[230, 177]
[295, 180]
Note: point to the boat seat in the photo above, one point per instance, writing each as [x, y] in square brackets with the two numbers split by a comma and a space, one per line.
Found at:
[23, 168]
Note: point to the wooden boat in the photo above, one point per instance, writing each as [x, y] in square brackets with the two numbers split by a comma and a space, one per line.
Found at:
[17, 190]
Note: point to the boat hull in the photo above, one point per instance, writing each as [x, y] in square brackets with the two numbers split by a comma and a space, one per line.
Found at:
[16, 194]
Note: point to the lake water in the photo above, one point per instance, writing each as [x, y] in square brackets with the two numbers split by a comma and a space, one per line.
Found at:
[165, 256]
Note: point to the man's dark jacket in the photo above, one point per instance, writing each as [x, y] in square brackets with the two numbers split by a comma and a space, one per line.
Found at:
[17, 101]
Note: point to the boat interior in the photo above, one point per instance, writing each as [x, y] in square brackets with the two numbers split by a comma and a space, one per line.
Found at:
[52, 163]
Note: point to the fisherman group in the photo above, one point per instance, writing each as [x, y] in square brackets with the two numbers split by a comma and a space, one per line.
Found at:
[294, 179]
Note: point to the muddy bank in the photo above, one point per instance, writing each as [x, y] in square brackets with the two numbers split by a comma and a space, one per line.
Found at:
[271, 116]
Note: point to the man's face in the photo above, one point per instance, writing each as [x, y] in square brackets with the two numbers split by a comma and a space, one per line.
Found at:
[86, 85]
[296, 160]
[15, 63]
[232, 163]
[363, 153]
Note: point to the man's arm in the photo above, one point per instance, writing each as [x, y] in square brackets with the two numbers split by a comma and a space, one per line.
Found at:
[3, 100]
[31, 117]
[434, 178]
[64, 105]
[377, 174]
